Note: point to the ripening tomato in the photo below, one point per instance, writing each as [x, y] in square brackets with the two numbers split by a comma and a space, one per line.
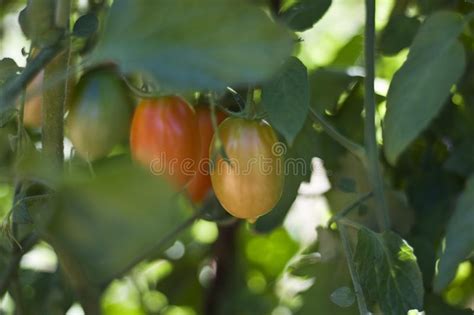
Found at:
[165, 137]
[100, 113]
[200, 185]
[250, 183]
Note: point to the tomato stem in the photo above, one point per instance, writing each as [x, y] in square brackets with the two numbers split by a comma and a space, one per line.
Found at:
[363, 310]
[373, 166]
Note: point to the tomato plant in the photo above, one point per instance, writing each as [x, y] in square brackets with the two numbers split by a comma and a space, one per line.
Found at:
[200, 185]
[348, 147]
[100, 114]
[164, 137]
[250, 183]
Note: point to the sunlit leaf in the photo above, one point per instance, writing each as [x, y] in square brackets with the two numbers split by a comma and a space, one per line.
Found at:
[194, 44]
[388, 272]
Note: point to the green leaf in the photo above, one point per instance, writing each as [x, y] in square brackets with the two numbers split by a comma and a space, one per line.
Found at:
[343, 297]
[297, 169]
[86, 25]
[327, 86]
[434, 305]
[422, 85]
[99, 227]
[388, 272]
[8, 69]
[459, 238]
[398, 34]
[208, 44]
[303, 14]
[6, 115]
[286, 98]
[347, 185]
[350, 53]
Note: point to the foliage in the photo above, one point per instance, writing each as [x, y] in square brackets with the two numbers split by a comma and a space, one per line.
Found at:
[103, 233]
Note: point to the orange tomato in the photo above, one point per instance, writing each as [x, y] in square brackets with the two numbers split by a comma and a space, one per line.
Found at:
[165, 137]
[250, 183]
[200, 185]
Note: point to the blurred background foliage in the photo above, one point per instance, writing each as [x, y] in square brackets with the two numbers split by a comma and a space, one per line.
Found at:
[287, 263]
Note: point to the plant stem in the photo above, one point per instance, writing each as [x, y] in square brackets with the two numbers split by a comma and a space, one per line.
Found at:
[373, 168]
[341, 214]
[13, 88]
[14, 261]
[363, 310]
[348, 144]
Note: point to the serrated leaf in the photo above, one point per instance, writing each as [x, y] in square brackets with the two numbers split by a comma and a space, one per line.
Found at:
[343, 297]
[388, 272]
[8, 69]
[459, 238]
[420, 88]
[99, 227]
[86, 25]
[187, 44]
[286, 98]
[303, 14]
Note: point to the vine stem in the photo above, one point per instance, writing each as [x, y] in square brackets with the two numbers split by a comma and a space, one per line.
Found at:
[344, 212]
[348, 144]
[363, 310]
[373, 166]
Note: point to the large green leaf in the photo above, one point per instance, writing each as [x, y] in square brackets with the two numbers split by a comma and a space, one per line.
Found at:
[459, 238]
[388, 272]
[422, 85]
[286, 98]
[303, 14]
[100, 226]
[194, 44]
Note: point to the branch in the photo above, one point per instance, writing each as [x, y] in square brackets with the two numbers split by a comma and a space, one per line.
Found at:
[353, 271]
[350, 145]
[14, 261]
[12, 88]
[373, 166]
[344, 212]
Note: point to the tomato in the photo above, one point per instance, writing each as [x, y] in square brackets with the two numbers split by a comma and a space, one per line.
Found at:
[100, 113]
[250, 183]
[165, 137]
[200, 185]
[33, 102]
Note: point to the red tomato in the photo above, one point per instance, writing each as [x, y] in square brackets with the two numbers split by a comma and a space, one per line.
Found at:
[200, 185]
[165, 137]
[251, 182]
